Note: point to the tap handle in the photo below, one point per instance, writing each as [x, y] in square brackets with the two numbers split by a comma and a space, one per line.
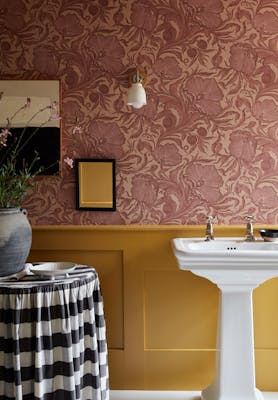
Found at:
[209, 228]
[249, 228]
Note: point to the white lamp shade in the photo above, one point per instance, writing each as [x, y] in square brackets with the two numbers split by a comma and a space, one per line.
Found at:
[137, 96]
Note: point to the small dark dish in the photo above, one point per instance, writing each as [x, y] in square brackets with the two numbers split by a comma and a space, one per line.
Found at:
[269, 235]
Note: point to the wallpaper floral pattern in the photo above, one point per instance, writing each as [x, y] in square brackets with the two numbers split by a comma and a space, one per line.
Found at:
[207, 141]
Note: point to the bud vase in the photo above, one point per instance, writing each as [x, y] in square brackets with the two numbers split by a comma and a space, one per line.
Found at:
[15, 240]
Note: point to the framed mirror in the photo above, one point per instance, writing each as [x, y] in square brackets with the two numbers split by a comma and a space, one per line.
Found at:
[95, 184]
[40, 122]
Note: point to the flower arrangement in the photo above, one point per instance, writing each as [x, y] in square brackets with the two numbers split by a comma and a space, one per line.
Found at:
[16, 178]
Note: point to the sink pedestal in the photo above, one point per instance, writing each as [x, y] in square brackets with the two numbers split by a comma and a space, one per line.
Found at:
[235, 364]
[235, 367]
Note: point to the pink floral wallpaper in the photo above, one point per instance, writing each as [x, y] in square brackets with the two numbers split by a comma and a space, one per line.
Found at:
[207, 141]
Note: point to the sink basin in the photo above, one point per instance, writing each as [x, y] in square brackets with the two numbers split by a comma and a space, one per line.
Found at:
[224, 251]
[224, 245]
[236, 267]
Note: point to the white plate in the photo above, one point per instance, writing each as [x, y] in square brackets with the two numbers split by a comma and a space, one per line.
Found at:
[53, 268]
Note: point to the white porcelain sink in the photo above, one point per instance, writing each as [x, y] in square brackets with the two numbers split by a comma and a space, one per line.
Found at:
[224, 251]
[224, 245]
[236, 267]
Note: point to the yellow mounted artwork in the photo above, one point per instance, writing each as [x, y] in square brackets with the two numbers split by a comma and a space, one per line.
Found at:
[95, 189]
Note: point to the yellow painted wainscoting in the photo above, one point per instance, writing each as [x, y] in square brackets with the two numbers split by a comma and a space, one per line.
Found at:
[161, 322]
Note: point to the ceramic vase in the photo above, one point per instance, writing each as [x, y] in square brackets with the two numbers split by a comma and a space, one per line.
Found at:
[15, 240]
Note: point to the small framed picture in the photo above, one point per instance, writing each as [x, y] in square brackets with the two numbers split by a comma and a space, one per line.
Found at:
[95, 184]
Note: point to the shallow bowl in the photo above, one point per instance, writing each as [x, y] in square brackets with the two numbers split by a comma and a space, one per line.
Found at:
[269, 235]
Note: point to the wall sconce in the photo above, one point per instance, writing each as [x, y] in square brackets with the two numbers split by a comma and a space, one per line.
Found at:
[136, 94]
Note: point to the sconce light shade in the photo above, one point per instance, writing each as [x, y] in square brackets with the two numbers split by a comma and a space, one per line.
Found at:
[136, 95]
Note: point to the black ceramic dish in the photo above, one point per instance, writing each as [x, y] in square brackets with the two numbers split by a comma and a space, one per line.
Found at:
[269, 234]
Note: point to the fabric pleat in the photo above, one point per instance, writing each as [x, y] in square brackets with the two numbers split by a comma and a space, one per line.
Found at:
[53, 339]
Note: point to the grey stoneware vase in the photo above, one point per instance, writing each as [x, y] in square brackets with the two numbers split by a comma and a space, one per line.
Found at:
[15, 240]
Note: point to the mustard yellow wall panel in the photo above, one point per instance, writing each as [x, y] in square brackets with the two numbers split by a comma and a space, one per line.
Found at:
[116, 368]
[161, 322]
[267, 370]
[177, 316]
[179, 370]
[265, 301]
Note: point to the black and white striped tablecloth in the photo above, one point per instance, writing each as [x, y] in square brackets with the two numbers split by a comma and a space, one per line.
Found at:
[53, 339]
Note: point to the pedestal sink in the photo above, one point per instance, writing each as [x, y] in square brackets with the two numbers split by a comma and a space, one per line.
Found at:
[236, 267]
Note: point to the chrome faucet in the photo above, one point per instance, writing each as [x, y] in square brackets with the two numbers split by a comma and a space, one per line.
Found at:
[250, 237]
[209, 228]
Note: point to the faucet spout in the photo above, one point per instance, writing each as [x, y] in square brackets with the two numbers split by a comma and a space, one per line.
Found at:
[209, 228]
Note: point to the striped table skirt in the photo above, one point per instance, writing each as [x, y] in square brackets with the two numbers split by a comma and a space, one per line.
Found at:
[52, 338]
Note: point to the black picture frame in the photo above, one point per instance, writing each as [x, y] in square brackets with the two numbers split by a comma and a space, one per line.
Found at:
[95, 184]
